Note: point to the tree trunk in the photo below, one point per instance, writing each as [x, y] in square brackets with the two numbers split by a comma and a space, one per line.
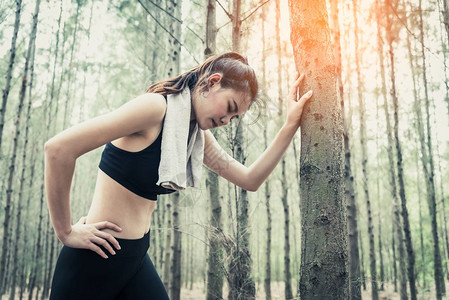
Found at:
[71, 68]
[324, 241]
[363, 141]
[421, 235]
[241, 283]
[438, 270]
[393, 247]
[6, 224]
[267, 279]
[22, 93]
[404, 213]
[168, 242]
[175, 287]
[26, 268]
[215, 255]
[445, 14]
[287, 275]
[354, 260]
[2, 116]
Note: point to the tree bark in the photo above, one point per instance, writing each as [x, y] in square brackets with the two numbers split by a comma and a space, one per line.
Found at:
[324, 242]
[354, 260]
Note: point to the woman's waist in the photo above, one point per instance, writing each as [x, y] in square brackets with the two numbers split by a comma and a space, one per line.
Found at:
[134, 220]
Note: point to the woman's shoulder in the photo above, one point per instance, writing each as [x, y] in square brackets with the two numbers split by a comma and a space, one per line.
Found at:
[149, 106]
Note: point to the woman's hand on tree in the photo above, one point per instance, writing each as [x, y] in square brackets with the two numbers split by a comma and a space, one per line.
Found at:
[90, 236]
[295, 105]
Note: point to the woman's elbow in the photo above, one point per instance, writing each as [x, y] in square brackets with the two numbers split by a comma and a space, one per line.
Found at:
[252, 187]
[56, 150]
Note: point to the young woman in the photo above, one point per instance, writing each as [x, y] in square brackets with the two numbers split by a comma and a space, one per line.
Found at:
[105, 254]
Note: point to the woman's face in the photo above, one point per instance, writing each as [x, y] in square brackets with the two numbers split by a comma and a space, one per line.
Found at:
[219, 106]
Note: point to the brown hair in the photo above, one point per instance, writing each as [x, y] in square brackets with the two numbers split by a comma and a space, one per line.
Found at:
[234, 68]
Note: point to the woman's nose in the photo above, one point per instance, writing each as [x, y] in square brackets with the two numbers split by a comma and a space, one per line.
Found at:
[225, 120]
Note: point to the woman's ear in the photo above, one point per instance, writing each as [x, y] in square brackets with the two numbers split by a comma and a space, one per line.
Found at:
[214, 79]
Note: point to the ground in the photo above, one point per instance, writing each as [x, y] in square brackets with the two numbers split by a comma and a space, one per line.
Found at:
[277, 293]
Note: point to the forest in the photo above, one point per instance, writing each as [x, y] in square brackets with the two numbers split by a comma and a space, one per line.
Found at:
[354, 210]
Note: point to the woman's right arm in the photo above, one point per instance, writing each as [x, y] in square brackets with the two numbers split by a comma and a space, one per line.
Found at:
[62, 150]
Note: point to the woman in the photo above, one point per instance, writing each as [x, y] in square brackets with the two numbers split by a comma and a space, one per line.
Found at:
[105, 254]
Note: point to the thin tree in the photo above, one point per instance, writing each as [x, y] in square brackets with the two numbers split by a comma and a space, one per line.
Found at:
[324, 236]
[215, 255]
[175, 286]
[430, 169]
[22, 93]
[6, 223]
[363, 143]
[241, 283]
[6, 90]
[267, 279]
[380, 17]
[284, 197]
[391, 5]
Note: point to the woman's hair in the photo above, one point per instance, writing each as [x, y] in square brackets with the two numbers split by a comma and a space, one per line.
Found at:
[234, 68]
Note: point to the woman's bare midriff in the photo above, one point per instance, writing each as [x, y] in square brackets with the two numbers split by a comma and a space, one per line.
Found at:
[113, 202]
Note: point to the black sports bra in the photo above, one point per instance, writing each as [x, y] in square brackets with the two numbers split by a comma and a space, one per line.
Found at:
[136, 171]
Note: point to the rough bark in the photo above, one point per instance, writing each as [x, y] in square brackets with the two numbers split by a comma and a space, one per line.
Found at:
[215, 257]
[354, 264]
[323, 242]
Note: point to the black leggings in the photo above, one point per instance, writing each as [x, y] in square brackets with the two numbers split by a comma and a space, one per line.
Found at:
[130, 274]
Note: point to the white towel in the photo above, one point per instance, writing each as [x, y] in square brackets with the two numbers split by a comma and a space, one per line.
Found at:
[181, 158]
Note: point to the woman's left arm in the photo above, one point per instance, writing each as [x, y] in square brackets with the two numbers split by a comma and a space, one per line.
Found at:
[251, 178]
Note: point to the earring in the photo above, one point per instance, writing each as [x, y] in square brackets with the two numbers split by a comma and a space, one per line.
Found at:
[205, 94]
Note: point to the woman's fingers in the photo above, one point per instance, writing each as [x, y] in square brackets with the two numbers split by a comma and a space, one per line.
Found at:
[295, 86]
[110, 238]
[97, 250]
[102, 242]
[305, 97]
[107, 225]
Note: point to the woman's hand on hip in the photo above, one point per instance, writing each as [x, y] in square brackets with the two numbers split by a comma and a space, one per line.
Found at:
[295, 105]
[90, 236]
